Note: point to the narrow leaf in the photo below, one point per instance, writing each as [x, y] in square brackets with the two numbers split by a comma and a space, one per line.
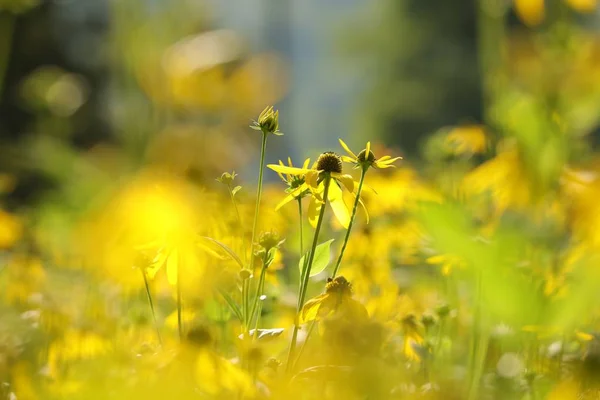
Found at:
[231, 303]
[226, 248]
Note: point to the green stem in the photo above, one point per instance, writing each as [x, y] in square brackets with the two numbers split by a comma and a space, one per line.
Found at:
[245, 299]
[259, 291]
[255, 222]
[479, 341]
[354, 208]
[239, 219]
[149, 296]
[306, 273]
[310, 329]
[301, 229]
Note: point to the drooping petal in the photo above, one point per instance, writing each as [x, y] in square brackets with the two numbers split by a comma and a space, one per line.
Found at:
[310, 311]
[338, 206]
[314, 207]
[348, 159]
[291, 196]
[345, 146]
[288, 170]
[364, 209]
[312, 178]
[345, 180]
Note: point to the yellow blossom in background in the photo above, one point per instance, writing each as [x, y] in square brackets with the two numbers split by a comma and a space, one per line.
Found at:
[504, 179]
[75, 345]
[467, 139]
[532, 12]
[11, 229]
[447, 261]
[25, 276]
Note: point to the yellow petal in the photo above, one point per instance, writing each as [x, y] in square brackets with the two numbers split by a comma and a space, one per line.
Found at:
[306, 162]
[345, 180]
[338, 206]
[312, 178]
[364, 209]
[172, 265]
[289, 170]
[314, 207]
[310, 311]
[368, 150]
[291, 196]
[347, 149]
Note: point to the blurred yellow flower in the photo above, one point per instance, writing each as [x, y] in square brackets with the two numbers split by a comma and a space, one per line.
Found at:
[11, 229]
[532, 12]
[336, 299]
[467, 139]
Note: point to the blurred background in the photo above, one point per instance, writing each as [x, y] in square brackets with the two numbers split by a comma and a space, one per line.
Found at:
[116, 116]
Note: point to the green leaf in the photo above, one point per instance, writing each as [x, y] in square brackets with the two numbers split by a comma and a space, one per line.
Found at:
[226, 248]
[235, 190]
[320, 261]
[232, 305]
[264, 334]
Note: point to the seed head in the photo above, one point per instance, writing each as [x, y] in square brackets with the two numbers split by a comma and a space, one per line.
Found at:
[199, 336]
[338, 285]
[329, 162]
[361, 156]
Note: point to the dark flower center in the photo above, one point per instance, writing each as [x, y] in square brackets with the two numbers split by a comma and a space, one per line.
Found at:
[329, 162]
[361, 156]
[338, 285]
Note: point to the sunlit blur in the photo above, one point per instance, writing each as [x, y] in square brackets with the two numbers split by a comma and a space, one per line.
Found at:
[153, 245]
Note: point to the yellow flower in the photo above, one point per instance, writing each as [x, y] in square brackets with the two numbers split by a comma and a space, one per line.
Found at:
[336, 299]
[329, 164]
[366, 158]
[468, 139]
[297, 186]
[447, 261]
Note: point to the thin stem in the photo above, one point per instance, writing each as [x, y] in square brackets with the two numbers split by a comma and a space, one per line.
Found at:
[479, 340]
[306, 273]
[245, 299]
[354, 208]
[301, 229]
[310, 329]
[239, 219]
[179, 308]
[259, 292]
[149, 296]
[254, 224]
[259, 188]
